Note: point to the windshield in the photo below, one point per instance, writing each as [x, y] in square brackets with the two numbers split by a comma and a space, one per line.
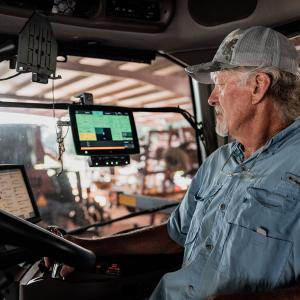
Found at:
[82, 195]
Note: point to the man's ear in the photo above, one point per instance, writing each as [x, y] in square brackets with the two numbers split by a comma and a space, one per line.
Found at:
[261, 83]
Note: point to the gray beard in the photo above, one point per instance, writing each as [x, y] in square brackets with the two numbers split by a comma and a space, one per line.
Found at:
[222, 129]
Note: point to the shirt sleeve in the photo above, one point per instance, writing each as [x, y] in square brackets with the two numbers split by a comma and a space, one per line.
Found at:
[180, 219]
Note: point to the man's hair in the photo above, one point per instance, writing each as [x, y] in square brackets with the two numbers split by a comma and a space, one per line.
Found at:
[284, 89]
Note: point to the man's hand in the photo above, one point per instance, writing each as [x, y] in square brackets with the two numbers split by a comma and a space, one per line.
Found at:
[65, 269]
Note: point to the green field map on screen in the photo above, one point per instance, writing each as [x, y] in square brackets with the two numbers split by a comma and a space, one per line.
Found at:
[87, 124]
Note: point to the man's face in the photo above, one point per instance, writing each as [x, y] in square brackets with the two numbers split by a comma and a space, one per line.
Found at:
[231, 99]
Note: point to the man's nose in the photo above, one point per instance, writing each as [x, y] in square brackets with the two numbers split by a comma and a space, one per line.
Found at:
[213, 98]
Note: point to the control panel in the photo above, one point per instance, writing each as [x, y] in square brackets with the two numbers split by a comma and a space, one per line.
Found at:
[146, 10]
[128, 15]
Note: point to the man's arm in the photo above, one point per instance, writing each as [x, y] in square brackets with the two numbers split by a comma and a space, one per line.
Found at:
[149, 240]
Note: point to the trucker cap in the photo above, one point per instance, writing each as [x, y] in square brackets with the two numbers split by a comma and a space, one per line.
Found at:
[256, 46]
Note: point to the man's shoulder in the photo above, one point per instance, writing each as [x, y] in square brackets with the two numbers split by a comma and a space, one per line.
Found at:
[224, 150]
[213, 162]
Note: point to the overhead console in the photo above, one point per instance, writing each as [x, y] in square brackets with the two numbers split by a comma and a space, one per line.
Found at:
[218, 12]
[128, 15]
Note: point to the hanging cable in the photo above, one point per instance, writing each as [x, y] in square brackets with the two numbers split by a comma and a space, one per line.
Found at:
[12, 76]
[59, 133]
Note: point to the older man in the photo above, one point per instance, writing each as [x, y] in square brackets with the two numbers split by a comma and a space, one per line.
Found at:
[239, 222]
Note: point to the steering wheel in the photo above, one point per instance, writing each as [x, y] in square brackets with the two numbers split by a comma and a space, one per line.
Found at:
[19, 232]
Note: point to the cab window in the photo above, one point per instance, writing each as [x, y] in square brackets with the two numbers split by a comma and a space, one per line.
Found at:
[82, 195]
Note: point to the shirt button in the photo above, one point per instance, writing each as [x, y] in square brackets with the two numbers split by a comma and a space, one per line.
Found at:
[222, 206]
[209, 247]
[191, 288]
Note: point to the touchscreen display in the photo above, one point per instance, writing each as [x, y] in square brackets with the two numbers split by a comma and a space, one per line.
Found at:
[98, 131]
[14, 196]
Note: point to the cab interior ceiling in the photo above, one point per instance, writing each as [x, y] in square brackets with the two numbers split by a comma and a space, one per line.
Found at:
[187, 31]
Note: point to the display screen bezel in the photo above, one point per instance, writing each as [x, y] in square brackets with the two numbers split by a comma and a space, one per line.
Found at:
[79, 151]
[36, 218]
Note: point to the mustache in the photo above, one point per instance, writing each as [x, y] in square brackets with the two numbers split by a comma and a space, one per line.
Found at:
[218, 110]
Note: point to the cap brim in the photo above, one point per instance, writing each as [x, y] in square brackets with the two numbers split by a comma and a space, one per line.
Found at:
[202, 72]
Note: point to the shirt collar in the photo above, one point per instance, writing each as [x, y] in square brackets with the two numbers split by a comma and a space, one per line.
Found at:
[282, 136]
[273, 144]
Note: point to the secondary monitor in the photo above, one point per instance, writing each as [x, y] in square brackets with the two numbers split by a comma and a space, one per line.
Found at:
[103, 130]
[16, 196]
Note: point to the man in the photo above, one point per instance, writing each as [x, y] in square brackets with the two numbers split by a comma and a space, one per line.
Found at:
[240, 219]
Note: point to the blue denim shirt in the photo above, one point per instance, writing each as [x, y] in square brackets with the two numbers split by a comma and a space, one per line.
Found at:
[239, 232]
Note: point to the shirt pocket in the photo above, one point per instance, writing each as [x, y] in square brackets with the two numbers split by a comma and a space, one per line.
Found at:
[258, 243]
[252, 259]
[282, 197]
[203, 199]
[289, 188]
